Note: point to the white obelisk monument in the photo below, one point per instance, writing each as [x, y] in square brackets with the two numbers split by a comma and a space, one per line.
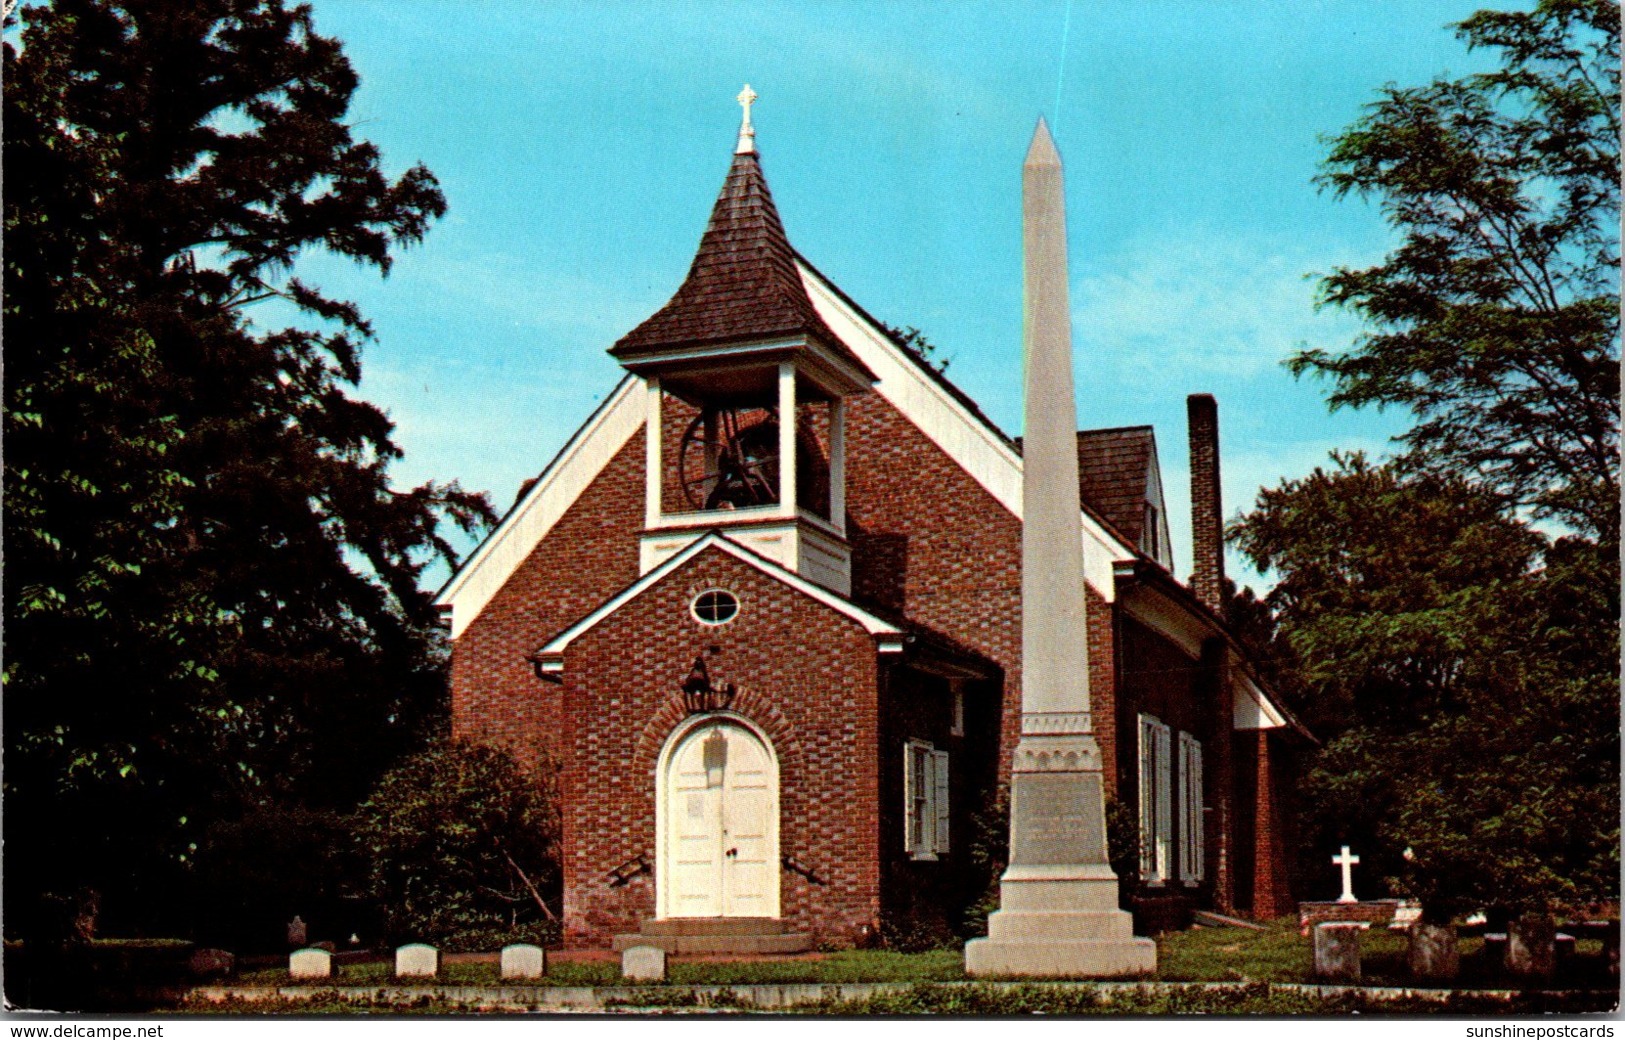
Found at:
[1058, 914]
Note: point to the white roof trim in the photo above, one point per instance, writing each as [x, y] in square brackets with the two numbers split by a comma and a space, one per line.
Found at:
[503, 552]
[888, 636]
[1153, 483]
[1249, 708]
[968, 440]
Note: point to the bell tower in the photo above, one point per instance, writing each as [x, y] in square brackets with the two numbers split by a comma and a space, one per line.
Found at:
[746, 392]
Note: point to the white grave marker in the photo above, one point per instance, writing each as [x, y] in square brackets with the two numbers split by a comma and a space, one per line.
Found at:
[417, 960]
[310, 964]
[523, 961]
[644, 964]
[1347, 861]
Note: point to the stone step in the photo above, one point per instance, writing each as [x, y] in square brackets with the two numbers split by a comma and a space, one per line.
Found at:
[745, 945]
[714, 926]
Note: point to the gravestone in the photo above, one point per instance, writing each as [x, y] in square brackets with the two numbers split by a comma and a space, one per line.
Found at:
[1563, 945]
[1407, 913]
[1337, 951]
[211, 963]
[1531, 947]
[417, 960]
[523, 961]
[298, 934]
[310, 964]
[1433, 952]
[644, 964]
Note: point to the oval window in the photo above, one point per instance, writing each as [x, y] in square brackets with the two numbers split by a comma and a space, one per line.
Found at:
[714, 607]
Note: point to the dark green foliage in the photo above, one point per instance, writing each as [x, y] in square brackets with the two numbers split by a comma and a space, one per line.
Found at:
[915, 342]
[254, 874]
[1496, 320]
[211, 589]
[1465, 696]
[1258, 999]
[1461, 665]
[1123, 848]
[460, 844]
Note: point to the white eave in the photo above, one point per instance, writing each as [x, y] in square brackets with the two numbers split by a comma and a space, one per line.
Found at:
[503, 552]
[888, 637]
[966, 438]
[1249, 707]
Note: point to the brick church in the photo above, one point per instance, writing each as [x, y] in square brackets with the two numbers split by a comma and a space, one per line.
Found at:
[763, 611]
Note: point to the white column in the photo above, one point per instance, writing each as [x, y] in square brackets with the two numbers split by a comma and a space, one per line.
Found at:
[787, 439]
[653, 436]
[837, 464]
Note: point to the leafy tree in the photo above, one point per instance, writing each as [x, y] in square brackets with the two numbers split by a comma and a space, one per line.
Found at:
[211, 589]
[1460, 664]
[915, 342]
[1496, 320]
[1464, 692]
[463, 849]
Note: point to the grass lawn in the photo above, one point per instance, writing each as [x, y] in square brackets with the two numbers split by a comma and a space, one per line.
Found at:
[844, 966]
[1281, 954]
[1276, 954]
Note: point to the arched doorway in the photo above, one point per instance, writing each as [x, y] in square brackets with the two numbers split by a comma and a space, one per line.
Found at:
[718, 822]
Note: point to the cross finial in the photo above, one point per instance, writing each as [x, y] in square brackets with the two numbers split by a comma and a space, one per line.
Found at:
[747, 133]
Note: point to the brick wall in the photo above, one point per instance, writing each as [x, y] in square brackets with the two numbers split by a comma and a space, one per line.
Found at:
[929, 541]
[591, 554]
[807, 677]
[1272, 895]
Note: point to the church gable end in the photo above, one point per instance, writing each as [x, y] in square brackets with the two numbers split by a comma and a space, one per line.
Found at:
[802, 672]
[586, 555]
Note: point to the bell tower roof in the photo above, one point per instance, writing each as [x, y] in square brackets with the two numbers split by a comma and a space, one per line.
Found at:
[743, 285]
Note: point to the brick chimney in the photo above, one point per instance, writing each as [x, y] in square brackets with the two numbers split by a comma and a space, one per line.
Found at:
[1207, 514]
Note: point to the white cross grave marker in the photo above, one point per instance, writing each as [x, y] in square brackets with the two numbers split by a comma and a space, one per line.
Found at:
[1347, 862]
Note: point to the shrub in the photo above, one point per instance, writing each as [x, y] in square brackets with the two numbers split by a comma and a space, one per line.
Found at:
[462, 847]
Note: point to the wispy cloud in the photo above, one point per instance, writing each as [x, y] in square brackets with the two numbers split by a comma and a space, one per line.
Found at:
[1204, 303]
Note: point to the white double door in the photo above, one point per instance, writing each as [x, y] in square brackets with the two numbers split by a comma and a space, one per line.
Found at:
[720, 850]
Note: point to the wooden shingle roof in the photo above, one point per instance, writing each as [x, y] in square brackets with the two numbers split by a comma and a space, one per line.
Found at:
[1113, 467]
[743, 284]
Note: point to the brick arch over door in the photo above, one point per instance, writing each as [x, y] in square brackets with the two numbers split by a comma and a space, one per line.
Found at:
[757, 707]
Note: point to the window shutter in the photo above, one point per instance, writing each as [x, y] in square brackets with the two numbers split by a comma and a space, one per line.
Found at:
[909, 828]
[1190, 809]
[1148, 802]
[939, 761]
[1197, 817]
[1165, 814]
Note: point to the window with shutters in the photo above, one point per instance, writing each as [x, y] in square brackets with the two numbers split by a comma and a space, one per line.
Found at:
[1192, 858]
[1156, 802]
[925, 800]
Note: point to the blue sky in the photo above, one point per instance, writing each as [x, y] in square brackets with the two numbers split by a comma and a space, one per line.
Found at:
[581, 145]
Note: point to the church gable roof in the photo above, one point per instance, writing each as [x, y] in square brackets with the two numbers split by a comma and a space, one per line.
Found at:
[743, 284]
[1114, 469]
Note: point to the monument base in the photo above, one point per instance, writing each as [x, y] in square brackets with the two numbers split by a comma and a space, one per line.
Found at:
[1060, 922]
[1120, 959]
